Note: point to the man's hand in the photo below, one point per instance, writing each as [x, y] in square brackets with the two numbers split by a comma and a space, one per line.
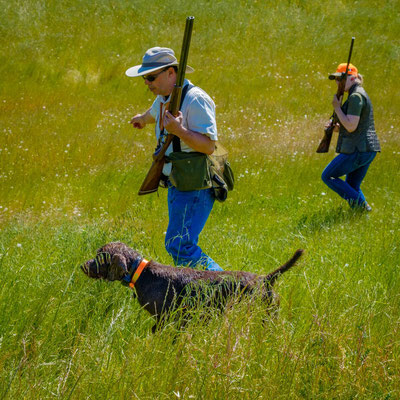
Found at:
[195, 140]
[173, 124]
[138, 121]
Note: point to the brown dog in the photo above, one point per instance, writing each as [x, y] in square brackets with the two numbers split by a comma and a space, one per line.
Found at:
[162, 288]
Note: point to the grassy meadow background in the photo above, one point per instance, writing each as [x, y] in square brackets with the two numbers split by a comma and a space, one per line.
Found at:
[71, 165]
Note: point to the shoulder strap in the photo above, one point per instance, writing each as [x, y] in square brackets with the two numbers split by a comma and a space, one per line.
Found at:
[176, 142]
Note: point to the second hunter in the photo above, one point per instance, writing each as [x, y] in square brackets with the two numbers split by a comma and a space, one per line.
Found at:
[196, 131]
[357, 144]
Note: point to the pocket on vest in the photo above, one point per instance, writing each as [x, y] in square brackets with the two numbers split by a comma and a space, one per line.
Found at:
[190, 171]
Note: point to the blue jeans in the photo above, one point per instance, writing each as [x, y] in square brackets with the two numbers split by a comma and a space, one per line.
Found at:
[188, 213]
[355, 167]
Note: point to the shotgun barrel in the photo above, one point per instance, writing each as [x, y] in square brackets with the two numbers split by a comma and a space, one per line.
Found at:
[326, 140]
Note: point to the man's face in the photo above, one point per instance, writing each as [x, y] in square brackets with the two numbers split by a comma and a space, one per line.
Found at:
[163, 83]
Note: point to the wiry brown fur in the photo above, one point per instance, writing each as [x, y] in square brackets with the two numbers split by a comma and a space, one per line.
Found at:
[160, 288]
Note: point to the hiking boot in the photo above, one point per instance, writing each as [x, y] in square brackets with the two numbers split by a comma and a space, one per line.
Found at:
[367, 207]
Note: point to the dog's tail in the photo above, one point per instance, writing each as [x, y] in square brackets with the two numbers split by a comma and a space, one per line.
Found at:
[271, 278]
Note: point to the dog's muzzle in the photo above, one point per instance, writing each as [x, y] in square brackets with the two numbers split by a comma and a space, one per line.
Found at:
[98, 267]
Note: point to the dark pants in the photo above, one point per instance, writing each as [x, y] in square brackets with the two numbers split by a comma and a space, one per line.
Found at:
[355, 167]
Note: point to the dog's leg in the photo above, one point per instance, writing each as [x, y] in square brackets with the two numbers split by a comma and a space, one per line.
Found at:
[161, 319]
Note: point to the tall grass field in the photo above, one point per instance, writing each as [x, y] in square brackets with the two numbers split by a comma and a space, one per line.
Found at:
[71, 166]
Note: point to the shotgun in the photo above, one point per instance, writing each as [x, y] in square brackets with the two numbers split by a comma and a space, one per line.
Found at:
[152, 180]
[326, 140]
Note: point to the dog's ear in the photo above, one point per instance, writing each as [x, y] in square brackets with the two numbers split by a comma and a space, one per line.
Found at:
[118, 268]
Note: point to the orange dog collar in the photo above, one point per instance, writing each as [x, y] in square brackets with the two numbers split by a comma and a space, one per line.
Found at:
[137, 273]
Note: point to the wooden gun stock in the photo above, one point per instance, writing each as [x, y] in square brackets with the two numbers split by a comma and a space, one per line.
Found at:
[326, 140]
[152, 180]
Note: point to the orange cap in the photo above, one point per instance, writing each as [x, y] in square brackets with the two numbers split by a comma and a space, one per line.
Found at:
[341, 69]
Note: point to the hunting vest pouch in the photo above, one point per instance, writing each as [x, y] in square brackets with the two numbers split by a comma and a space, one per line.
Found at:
[221, 173]
[196, 171]
[190, 171]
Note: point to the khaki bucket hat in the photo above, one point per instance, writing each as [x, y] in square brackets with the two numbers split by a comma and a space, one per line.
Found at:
[154, 59]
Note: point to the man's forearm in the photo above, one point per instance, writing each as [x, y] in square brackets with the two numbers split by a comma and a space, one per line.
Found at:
[147, 117]
[139, 121]
[195, 140]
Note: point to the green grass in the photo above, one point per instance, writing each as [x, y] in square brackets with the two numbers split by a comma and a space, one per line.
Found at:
[71, 165]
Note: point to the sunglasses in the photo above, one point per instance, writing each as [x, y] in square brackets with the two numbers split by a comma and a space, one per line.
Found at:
[152, 78]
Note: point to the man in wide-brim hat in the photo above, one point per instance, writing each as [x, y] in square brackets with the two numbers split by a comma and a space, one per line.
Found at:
[196, 130]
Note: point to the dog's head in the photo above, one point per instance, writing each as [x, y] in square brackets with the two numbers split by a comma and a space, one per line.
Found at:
[106, 266]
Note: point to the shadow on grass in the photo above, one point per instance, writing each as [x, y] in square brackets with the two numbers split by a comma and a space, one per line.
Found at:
[325, 219]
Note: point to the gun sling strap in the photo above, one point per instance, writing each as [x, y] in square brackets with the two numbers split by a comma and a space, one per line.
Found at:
[176, 142]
